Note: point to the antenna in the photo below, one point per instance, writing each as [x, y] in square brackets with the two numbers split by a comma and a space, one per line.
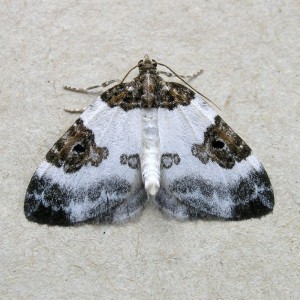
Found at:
[189, 85]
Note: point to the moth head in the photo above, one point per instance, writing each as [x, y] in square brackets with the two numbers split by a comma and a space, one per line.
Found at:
[147, 64]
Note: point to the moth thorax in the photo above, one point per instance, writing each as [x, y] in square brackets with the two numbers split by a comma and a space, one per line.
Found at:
[150, 69]
[148, 98]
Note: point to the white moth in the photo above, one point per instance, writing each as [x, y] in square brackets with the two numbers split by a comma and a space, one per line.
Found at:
[148, 139]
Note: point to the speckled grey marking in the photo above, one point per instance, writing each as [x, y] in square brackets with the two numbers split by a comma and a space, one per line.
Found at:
[50, 203]
[133, 161]
[168, 159]
[194, 197]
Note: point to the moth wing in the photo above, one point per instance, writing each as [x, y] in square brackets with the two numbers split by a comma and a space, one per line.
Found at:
[92, 173]
[207, 171]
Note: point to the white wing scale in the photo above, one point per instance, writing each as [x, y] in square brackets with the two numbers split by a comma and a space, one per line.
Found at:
[193, 189]
[111, 191]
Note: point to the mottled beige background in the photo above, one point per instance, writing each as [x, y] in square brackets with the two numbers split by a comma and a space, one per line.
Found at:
[249, 51]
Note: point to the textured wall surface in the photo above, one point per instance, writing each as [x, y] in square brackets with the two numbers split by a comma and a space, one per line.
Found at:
[249, 51]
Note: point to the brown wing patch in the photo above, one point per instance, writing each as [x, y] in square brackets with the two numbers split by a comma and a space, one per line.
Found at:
[221, 145]
[175, 94]
[153, 93]
[125, 95]
[75, 149]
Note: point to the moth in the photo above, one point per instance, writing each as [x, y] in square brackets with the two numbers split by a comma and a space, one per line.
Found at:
[148, 140]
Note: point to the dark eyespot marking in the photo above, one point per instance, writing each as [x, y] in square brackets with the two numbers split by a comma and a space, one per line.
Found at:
[79, 148]
[218, 144]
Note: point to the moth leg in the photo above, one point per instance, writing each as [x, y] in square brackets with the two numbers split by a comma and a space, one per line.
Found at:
[75, 110]
[190, 77]
[86, 91]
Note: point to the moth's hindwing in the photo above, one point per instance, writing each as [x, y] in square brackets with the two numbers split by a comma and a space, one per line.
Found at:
[217, 177]
[92, 173]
